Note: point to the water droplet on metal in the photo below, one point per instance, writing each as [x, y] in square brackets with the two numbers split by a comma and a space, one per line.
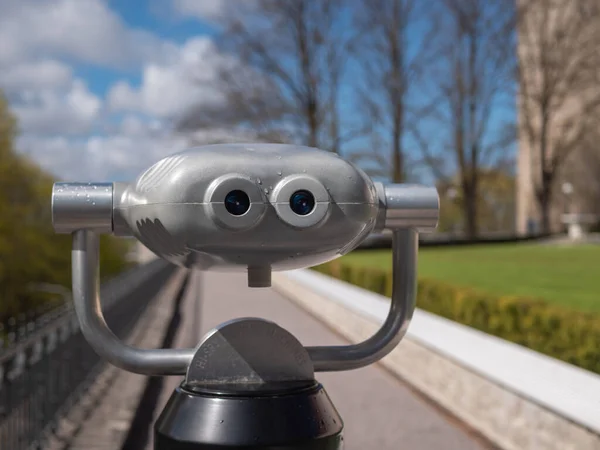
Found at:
[93, 203]
[221, 421]
[279, 173]
[259, 181]
[266, 191]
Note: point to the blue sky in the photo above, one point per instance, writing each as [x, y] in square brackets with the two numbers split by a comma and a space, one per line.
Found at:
[95, 91]
[157, 18]
[95, 83]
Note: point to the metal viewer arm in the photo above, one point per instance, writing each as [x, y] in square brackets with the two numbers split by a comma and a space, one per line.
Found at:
[86, 298]
[347, 357]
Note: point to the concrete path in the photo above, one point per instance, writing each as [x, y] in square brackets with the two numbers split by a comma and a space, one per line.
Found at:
[379, 411]
[188, 335]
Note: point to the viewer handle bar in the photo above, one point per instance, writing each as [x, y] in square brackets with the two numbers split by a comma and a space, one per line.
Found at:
[86, 298]
[347, 357]
[404, 209]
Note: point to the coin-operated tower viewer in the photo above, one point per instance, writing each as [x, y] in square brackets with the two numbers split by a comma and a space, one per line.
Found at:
[255, 208]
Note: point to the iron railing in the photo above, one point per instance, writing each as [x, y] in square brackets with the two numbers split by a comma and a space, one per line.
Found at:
[46, 365]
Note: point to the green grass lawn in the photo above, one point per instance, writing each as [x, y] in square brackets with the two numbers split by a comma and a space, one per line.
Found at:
[569, 276]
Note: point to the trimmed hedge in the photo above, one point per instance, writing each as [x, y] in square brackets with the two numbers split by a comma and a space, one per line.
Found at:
[571, 336]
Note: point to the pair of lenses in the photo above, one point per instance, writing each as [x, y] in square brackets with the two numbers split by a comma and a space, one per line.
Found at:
[237, 202]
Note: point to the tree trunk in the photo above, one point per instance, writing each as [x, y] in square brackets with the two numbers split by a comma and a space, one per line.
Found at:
[398, 163]
[470, 211]
[313, 124]
[544, 201]
[470, 207]
[397, 96]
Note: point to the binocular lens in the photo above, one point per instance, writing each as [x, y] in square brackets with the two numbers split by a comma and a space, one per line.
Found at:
[302, 202]
[237, 202]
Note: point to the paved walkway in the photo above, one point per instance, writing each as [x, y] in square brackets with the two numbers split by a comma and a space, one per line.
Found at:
[379, 411]
[188, 336]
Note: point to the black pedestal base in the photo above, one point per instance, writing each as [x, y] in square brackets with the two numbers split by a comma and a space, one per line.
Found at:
[300, 419]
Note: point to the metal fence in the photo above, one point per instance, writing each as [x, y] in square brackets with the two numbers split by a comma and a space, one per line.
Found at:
[46, 364]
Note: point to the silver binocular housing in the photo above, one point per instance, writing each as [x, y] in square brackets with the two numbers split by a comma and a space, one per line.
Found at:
[241, 207]
[245, 207]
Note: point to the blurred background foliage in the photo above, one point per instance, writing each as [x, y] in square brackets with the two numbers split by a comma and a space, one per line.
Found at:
[495, 203]
[31, 253]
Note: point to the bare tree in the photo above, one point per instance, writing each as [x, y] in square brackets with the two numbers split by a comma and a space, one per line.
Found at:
[394, 49]
[559, 79]
[474, 78]
[290, 58]
[251, 109]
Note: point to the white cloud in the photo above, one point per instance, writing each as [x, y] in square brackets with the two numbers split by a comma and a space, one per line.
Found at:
[98, 158]
[82, 101]
[127, 156]
[169, 89]
[213, 11]
[123, 97]
[84, 30]
[204, 9]
[133, 126]
[69, 130]
[121, 156]
[57, 111]
[41, 74]
[40, 43]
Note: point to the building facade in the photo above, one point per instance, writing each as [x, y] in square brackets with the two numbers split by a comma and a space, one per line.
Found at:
[559, 65]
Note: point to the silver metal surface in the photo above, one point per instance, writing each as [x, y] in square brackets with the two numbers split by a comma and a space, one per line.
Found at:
[411, 206]
[382, 213]
[259, 277]
[249, 351]
[280, 199]
[77, 206]
[86, 299]
[348, 357]
[175, 208]
[215, 205]
[120, 225]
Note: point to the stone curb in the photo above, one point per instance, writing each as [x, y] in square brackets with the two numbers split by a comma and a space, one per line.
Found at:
[508, 420]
